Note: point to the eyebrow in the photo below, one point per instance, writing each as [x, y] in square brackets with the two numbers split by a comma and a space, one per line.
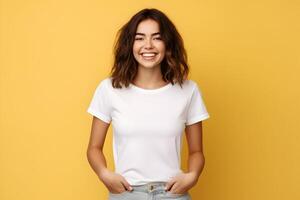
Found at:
[157, 33]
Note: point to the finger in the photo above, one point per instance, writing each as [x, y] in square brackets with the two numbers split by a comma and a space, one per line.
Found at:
[175, 187]
[169, 184]
[126, 184]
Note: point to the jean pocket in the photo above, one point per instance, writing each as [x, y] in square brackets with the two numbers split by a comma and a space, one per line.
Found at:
[170, 194]
[118, 194]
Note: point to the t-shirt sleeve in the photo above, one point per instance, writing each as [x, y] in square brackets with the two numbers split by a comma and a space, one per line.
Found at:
[100, 104]
[196, 109]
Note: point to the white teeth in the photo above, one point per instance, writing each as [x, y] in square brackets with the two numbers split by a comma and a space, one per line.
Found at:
[148, 54]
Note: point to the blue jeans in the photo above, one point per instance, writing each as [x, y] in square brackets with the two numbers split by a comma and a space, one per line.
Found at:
[149, 191]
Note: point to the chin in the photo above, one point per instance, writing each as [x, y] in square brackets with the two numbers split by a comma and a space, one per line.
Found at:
[148, 65]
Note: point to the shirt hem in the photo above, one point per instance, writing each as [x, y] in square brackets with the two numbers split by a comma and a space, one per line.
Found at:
[99, 116]
[197, 119]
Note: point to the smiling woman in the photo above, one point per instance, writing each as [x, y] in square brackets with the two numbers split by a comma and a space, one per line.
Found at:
[150, 102]
[149, 31]
[148, 47]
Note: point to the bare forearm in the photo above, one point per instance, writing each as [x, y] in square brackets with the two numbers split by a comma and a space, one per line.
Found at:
[97, 160]
[196, 163]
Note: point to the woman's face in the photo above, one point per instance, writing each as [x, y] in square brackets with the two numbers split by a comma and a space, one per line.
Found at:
[148, 47]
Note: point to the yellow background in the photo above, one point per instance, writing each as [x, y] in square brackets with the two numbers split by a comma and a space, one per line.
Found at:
[245, 56]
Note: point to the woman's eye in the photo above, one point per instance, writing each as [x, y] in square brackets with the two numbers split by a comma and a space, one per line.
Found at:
[158, 38]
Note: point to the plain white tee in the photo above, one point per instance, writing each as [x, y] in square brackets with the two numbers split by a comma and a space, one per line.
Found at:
[148, 126]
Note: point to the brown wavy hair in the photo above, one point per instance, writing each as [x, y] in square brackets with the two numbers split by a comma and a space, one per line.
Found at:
[174, 65]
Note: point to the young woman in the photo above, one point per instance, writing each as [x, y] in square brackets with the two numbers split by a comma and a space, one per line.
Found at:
[150, 102]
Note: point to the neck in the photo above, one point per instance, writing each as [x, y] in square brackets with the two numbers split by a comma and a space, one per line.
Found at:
[149, 77]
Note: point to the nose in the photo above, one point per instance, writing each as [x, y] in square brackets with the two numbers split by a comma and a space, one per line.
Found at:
[148, 43]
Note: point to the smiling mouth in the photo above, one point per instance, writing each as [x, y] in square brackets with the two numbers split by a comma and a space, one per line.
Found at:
[148, 56]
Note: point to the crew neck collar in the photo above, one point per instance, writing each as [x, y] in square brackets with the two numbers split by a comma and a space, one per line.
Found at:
[150, 91]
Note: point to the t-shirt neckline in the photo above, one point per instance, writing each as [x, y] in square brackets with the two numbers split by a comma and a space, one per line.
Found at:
[143, 90]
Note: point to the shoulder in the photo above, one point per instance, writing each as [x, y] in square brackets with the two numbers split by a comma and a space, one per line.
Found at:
[104, 83]
[101, 88]
[192, 87]
[190, 84]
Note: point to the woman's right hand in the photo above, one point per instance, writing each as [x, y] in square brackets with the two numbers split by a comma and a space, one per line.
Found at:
[114, 182]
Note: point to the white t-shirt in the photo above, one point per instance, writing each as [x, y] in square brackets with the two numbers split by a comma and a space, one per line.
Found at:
[148, 126]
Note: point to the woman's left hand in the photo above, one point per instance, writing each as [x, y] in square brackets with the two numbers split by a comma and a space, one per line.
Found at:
[181, 183]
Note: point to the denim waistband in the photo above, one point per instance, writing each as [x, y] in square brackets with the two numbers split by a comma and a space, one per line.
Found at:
[149, 187]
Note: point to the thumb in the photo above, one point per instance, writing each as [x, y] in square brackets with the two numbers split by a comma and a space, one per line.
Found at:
[126, 184]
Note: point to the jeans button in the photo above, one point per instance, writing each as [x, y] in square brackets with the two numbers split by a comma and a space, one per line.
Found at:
[151, 187]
